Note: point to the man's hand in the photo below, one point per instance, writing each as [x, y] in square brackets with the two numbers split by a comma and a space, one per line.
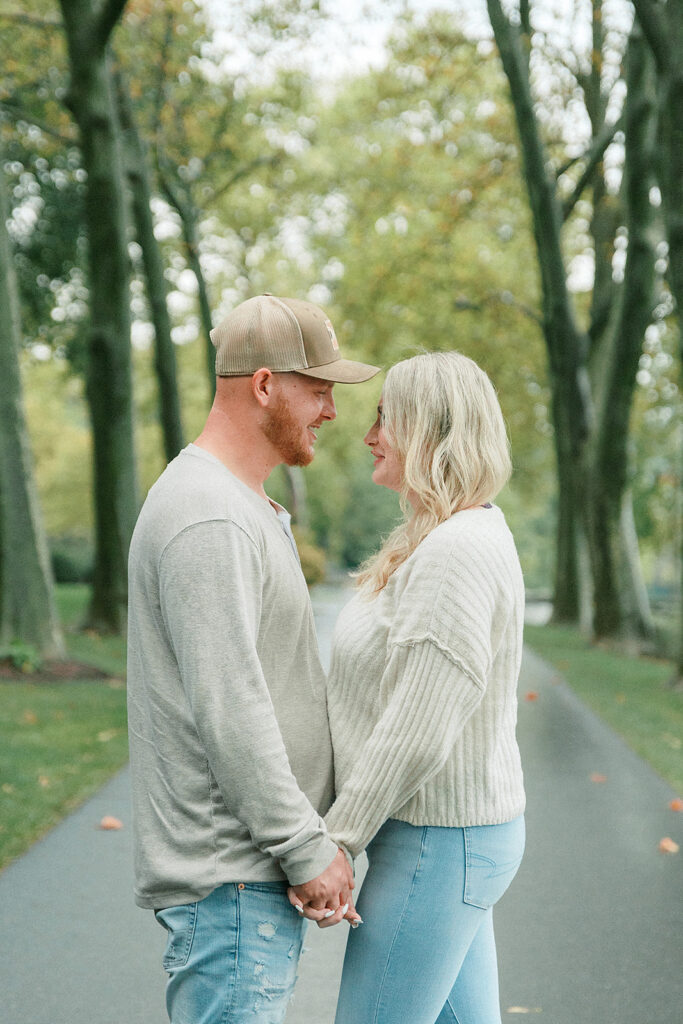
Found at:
[325, 895]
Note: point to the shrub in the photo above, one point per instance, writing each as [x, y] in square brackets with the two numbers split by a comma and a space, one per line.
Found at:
[72, 560]
[312, 557]
[22, 656]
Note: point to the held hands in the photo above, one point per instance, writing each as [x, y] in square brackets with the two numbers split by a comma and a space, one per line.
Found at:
[328, 898]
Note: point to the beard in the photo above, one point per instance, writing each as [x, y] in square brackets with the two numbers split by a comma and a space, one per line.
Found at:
[287, 435]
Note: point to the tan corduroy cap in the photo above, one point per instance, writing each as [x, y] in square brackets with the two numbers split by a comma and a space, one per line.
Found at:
[283, 335]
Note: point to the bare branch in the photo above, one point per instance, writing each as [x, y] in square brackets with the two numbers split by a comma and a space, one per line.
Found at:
[16, 114]
[243, 172]
[503, 298]
[19, 18]
[593, 156]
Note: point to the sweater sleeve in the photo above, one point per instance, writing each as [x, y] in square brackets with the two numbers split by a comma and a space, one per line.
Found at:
[210, 595]
[432, 696]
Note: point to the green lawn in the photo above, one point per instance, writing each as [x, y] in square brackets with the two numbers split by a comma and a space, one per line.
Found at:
[59, 742]
[630, 694]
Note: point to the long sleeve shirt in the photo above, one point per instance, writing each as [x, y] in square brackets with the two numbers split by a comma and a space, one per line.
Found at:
[422, 693]
[231, 758]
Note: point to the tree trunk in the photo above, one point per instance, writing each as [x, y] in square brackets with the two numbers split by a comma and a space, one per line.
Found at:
[566, 345]
[623, 607]
[108, 373]
[298, 502]
[27, 609]
[188, 218]
[164, 349]
[590, 418]
[663, 28]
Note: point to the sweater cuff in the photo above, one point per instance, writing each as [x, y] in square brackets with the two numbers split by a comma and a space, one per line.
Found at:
[310, 860]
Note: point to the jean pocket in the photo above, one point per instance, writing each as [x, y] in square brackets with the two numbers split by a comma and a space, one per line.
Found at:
[180, 924]
[493, 854]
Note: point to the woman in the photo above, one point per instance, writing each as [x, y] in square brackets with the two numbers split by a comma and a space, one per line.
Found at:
[422, 706]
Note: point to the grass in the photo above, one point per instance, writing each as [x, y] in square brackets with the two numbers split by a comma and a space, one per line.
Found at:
[630, 694]
[60, 742]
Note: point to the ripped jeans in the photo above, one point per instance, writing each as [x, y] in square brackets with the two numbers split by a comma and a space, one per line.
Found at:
[426, 952]
[232, 957]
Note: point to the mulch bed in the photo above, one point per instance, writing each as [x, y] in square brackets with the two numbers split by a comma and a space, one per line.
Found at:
[50, 672]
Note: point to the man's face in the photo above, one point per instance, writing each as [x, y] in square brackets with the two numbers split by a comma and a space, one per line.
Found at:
[301, 405]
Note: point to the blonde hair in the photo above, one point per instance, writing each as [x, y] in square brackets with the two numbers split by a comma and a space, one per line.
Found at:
[441, 414]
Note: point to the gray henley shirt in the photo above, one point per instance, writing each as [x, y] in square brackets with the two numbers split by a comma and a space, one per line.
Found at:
[231, 759]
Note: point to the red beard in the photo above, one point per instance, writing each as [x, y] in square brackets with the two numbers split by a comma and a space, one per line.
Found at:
[284, 432]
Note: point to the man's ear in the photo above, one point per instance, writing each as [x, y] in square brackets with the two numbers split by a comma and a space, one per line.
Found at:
[263, 386]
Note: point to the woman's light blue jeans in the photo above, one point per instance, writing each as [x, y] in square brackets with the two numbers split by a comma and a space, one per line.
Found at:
[232, 957]
[426, 952]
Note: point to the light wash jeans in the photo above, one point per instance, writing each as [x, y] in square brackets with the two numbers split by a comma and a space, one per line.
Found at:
[232, 957]
[426, 952]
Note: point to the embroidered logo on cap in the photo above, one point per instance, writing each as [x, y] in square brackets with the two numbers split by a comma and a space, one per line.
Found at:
[333, 336]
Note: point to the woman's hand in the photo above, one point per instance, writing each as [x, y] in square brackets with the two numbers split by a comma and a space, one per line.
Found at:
[323, 897]
[347, 912]
[327, 899]
[326, 917]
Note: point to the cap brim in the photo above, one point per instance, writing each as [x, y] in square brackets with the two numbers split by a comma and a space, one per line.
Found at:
[342, 371]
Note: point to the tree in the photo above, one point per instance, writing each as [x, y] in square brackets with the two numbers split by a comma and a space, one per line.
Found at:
[27, 610]
[108, 373]
[662, 25]
[592, 372]
[136, 161]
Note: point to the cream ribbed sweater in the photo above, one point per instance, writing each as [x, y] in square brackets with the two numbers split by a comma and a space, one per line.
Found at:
[422, 693]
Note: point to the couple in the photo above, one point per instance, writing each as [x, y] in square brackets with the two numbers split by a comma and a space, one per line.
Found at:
[256, 782]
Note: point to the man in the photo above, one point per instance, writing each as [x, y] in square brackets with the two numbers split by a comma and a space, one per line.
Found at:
[230, 750]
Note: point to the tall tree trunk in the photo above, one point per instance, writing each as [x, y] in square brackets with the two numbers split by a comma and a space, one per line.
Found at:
[27, 609]
[108, 373]
[623, 608]
[188, 218]
[295, 481]
[663, 28]
[164, 349]
[590, 436]
[565, 343]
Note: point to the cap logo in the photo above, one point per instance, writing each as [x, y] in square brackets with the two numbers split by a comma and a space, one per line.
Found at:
[333, 336]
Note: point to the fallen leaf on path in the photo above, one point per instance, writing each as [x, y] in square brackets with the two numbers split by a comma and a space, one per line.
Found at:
[29, 718]
[531, 695]
[620, 698]
[676, 804]
[110, 824]
[7, 787]
[597, 777]
[667, 845]
[43, 781]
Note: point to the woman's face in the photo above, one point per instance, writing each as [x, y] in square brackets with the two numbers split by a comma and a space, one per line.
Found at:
[388, 471]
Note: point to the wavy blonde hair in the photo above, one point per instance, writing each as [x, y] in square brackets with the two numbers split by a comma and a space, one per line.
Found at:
[441, 414]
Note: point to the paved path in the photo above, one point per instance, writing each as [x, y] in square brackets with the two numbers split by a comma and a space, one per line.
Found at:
[590, 932]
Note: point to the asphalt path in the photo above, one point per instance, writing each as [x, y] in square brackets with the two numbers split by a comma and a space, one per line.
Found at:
[590, 932]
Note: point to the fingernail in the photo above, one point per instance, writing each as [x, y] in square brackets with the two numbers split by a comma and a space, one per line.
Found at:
[345, 908]
[299, 908]
[329, 913]
[354, 924]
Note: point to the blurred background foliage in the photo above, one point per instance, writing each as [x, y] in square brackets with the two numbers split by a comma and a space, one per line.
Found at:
[391, 193]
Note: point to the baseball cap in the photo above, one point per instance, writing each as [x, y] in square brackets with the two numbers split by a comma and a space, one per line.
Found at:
[283, 335]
